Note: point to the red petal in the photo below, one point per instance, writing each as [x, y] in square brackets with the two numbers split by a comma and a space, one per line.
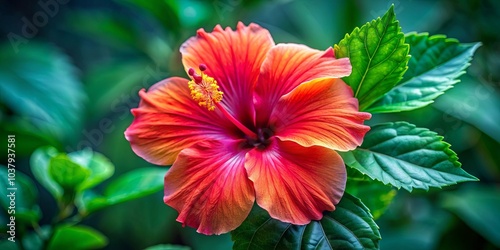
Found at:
[233, 58]
[168, 121]
[321, 112]
[209, 187]
[296, 184]
[289, 65]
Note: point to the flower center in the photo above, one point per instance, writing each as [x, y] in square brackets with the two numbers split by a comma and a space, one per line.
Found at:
[262, 140]
[205, 90]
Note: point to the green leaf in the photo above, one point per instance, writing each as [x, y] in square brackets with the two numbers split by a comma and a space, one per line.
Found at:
[436, 64]
[375, 195]
[132, 185]
[66, 173]
[355, 175]
[378, 55]
[77, 171]
[477, 206]
[77, 237]
[403, 155]
[21, 187]
[350, 226]
[99, 167]
[39, 85]
[40, 168]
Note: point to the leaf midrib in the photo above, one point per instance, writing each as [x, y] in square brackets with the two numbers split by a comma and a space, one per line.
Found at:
[255, 232]
[410, 163]
[374, 53]
[435, 67]
[447, 86]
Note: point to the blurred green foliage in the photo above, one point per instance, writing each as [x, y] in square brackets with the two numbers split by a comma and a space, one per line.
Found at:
[69, 80]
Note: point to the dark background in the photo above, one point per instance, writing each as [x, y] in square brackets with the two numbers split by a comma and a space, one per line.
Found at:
[93, 57]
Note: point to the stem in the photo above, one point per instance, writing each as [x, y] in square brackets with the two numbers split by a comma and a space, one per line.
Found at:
[37, 229]
[66, 206]
[236, 122]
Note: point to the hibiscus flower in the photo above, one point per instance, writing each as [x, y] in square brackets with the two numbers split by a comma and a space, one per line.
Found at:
[256, 122]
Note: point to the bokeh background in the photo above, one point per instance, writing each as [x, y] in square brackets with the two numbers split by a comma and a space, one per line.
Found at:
[70, 72]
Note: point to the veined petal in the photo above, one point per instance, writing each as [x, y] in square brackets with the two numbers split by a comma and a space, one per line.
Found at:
[289, 65]
[233, 59]
[168, 120]
[209, 187]
[321, 112]
[296, 184]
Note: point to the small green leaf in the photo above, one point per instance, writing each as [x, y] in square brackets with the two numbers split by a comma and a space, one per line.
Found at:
[350, 226]
[40, 168]
[375, 195]
[436, 64]
[78, 170]
[66, 173]
[135, 184]
[403, 155]
[99, 167]
[18, 186]
[477, 206]
[378, 56]
[77, 237]
[132, 185]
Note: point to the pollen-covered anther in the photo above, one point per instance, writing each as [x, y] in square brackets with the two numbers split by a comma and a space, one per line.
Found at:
[205, 90]
[203, 67]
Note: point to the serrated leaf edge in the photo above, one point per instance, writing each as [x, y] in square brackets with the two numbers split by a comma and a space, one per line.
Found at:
[473, 48]
[390, 19]
[447, 150]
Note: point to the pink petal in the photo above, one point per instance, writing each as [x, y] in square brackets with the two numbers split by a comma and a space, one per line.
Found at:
[233, 59]
[168, 120]
[321, 112]
[296, 184]
[209, 187]
[289, 65]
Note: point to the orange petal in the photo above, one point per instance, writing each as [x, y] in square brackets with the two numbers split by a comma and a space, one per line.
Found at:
[289, 65]
[233, 59]
[296, 184]
[321, 112]
[168, 121]
[209, 187]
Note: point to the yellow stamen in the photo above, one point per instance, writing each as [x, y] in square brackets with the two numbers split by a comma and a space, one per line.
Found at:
[206, 92]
